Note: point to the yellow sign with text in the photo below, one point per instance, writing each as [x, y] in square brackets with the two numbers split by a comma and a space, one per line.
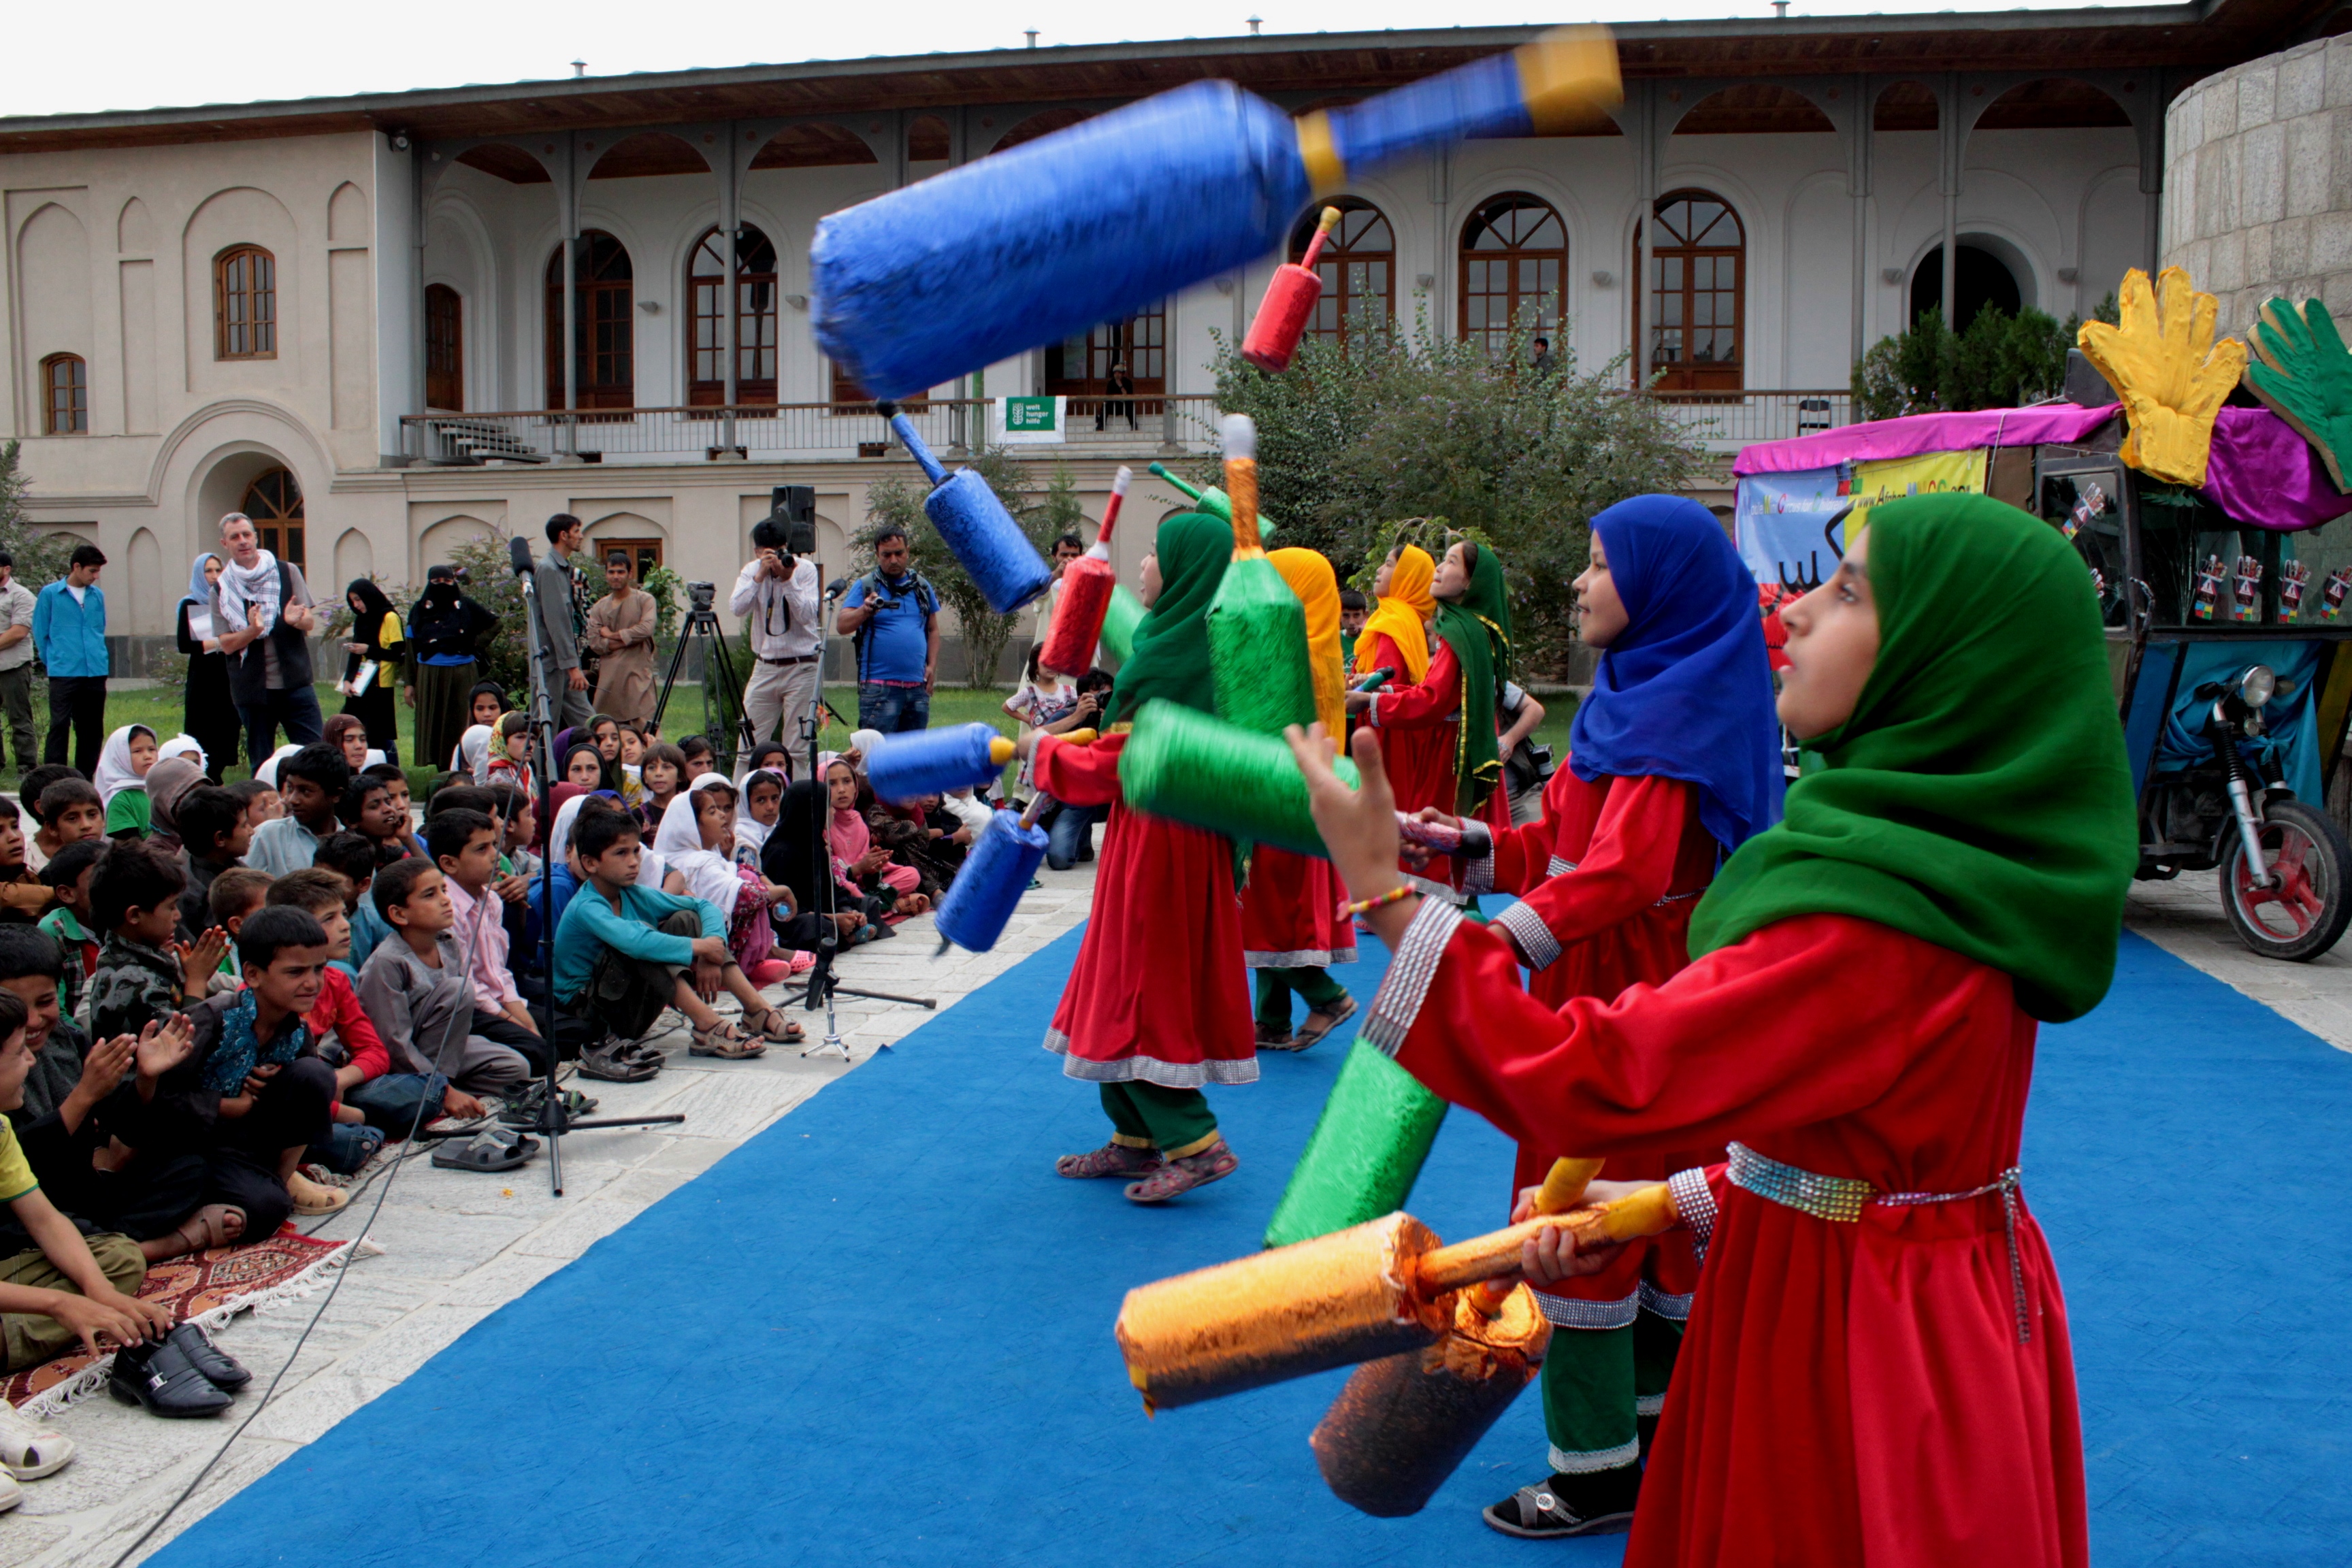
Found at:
[1936, 473]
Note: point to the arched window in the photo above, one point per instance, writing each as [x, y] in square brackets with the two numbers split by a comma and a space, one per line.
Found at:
[444, 348]
[1358, 265]
[65, 395]
[274, 501]
[245, 303]
[1696, 262]
[1513, 269]
[755, 319]
[603, 336]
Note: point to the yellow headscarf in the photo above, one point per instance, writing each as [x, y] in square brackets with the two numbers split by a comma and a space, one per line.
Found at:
[1318, 587]
[1403, 616]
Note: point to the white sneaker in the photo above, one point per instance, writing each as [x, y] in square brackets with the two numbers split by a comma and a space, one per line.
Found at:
[28, 1450]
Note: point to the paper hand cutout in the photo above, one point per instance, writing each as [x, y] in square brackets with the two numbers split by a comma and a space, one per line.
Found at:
[2304, 375]
[2168, 371]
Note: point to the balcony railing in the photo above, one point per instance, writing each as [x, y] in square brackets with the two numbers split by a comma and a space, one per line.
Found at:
[770, 432]
[1726, 421]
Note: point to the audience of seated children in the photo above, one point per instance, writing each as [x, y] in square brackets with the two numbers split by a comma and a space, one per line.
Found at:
[236, 893]
[465, 846]
[215, 833]
[68, 875]
[415, 990]
[311, 783]
[338, 1025]
[623, 953]
[24, 897]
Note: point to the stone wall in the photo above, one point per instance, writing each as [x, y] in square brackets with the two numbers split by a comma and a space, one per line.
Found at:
[2258, 182]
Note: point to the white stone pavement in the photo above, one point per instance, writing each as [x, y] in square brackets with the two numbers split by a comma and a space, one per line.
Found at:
[458, 1246]
[2184, 918]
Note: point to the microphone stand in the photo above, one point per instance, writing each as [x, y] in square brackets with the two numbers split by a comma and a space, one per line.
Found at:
[822, 987]
[553, 1123]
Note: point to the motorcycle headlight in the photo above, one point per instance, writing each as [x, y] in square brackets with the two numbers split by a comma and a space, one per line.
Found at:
[2256, 686]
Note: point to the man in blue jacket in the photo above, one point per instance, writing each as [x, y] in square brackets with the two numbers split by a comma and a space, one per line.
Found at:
[69, 634]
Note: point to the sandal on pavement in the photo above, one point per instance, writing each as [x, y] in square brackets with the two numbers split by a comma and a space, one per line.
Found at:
[1182, 1175]
[210, 1227]
[1321, 1022]
[312, 1197]
[30, 1451]
[489, 1152]
[1110, 1160]
[1598, 1504]
[724, 1041]
[612, 1064]
[776, 1027]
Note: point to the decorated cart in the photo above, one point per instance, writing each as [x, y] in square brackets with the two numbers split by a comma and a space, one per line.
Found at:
[2217, 536]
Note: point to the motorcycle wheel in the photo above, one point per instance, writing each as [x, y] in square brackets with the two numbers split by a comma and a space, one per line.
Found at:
[2303, 915]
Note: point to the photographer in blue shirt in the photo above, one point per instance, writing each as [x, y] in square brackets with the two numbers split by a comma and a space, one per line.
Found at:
[894, 615]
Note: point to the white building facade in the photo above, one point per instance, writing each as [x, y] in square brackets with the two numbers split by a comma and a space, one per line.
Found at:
[345, 317]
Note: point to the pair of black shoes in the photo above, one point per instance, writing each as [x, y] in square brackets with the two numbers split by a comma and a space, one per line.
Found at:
[180, 1377]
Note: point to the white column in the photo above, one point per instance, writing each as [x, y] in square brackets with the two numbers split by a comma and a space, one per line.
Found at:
[399, 299]
[730, 218]
[1858, 181]
[1947, 130]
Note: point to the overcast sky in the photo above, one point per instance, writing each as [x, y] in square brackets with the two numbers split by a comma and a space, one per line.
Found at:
[144, 53]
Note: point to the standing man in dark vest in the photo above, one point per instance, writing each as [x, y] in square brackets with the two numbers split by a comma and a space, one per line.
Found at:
[562, 616]
[262, 612]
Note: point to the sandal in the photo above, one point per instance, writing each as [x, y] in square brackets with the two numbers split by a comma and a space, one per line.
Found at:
[492, 1150]
[28, 1450]
[770, 1023]
[312, 1197]
[1311, 1031]
[211, 1227]
[1182, 1175]
[1543, 1513]
[1110, 1160]
[721, 1040]
[613, 1063]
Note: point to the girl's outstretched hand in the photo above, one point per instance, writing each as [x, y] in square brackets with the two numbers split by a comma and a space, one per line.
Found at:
[1359, 826]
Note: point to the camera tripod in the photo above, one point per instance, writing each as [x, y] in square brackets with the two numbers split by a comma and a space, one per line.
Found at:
[718, 675]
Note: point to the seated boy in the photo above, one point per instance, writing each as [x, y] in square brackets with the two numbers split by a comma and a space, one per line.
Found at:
[353, 856]
[24, 897]
[70, 814]
[64, 1290]
[623, 953]
[68, 875]
[417, 993]
[254, 1093]
[142, 975]
[236, 894]
[403, 840]
[310, 782]
[260, 798]
[356, 1052]
[464, 847]
[41, 843]
[214, 836]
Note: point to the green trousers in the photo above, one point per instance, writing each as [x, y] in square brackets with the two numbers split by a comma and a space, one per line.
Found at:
[33, 1338]
[1600, 1385]
[1274, 986]
[1176, 1121]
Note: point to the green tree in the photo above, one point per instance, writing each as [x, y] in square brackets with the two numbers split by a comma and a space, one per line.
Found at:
[40, 556]
[1999, 360]
[1405, 423]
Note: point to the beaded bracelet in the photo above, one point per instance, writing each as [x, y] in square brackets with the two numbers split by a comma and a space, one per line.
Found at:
[1365, 906]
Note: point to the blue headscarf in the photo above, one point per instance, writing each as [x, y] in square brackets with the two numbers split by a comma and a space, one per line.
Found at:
[1683, 692]
[199, 591]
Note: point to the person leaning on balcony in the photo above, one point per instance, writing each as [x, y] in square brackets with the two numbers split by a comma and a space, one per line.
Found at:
[69, 633]
[16, 663]
[775, 598]
[560, 617]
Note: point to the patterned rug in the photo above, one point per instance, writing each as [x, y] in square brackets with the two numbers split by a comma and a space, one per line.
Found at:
[202, 1288]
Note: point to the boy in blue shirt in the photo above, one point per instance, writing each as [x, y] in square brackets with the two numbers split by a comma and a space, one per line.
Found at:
[623, 953]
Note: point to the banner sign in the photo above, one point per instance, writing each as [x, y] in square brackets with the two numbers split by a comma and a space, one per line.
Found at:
[1931, 473]
[1783, 529]
[1027, 421]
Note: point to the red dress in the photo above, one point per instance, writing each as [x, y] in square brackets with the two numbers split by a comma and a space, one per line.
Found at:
[1158, 992]
[1290, 912]
[1419, 727]
[1846, 1394]
[1607, 881]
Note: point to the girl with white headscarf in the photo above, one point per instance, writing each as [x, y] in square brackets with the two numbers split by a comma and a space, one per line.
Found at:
[186, 746]
[122, 780]
[704, 870]
[473, 754]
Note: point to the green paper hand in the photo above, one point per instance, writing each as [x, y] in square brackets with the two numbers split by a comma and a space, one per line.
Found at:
[2302, 374]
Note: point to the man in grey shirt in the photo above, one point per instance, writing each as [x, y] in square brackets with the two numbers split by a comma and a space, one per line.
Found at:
[16, 663]
[558, 616]
[262, 614]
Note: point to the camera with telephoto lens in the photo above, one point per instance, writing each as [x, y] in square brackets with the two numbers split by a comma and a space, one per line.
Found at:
[701, 597]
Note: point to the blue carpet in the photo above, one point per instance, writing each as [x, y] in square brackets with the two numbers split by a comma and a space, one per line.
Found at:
[880, 1333]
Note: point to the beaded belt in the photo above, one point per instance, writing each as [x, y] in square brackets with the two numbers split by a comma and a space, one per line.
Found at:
[1841, 1199]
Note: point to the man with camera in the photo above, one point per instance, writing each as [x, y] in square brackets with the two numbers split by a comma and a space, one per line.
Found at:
[895, 616]
[775, 598]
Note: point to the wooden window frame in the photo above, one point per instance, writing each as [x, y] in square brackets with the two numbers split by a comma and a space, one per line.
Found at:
[1343, 268]
[1685, 374]
[606, 314]
[701, 292]
[444, 352]
[285, 534]
[638, 550]
[76, 410]
[250, 297]
[1106, 341]
[1516, 296]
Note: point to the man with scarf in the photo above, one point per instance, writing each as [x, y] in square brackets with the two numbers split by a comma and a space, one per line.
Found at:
[262, 615]
[1155, 1008]
[1877, 1367]
[1675, 762]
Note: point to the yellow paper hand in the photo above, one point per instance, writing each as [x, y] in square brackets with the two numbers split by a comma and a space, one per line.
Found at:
[2170, 374]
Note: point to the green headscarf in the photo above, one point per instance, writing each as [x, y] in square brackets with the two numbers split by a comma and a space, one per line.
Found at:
[1477, 627]
[1978, 797]
[1171, 656]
